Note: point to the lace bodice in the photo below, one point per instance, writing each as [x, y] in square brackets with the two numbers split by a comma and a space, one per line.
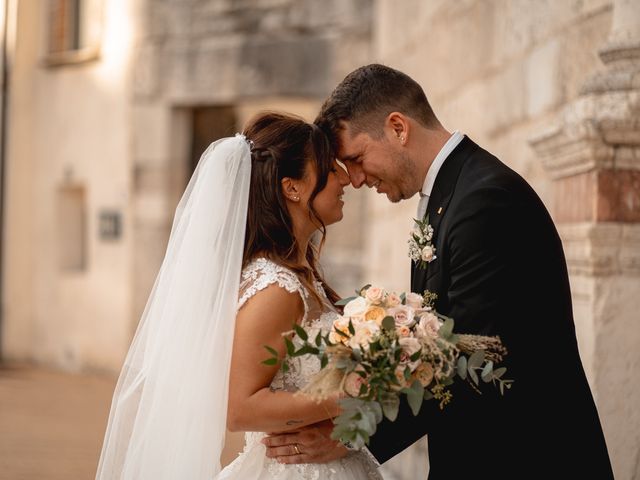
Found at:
[261, 273]
[252, 464]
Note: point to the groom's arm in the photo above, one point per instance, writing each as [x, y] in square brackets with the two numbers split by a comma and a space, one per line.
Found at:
[478, 252]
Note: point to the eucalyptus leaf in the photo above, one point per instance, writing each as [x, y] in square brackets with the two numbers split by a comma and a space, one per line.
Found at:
[446, 330]
[390, 406]
[499, 372]
[318, 339]
[352, 330]
[344, 301]
[462, 367]
[388, 323]
[447, 381]
[487, 372]
[270, 361]
[415, 394]
[476, 360]
[427, 394]
[474, 376]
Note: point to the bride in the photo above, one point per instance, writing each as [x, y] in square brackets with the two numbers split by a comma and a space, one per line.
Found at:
[239, 271]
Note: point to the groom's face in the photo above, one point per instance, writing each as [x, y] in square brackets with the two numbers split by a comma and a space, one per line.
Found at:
[375, 162]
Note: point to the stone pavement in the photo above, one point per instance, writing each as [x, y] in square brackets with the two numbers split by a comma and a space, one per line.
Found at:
[51, 423]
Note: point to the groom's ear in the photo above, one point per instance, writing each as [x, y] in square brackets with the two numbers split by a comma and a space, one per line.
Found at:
[398, 126]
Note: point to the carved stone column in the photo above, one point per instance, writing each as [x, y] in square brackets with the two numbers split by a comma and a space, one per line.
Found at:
[593, 156]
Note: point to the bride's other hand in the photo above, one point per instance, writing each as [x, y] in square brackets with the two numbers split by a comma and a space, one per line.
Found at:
[312, 444]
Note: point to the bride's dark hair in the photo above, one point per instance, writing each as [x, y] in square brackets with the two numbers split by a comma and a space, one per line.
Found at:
[283, 146]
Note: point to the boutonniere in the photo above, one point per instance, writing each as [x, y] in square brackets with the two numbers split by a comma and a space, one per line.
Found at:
[421, 250]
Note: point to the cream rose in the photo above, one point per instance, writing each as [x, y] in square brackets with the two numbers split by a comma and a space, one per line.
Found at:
[399, 374]
[414, 300]
[393, 300]
[375, 314]
[424, 374]
[403, 315]
[341, 324]
[355, 308]
[374, 295]
[364, 332]
[428, 253]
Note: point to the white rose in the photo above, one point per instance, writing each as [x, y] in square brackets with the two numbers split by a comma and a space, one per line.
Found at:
[365, 331]
[428, 325]
[374, 295]
[414, 300]
[403, 315]
[355, 308]
[428, 253]
[393, 300]
[417, 232]
[410, 345]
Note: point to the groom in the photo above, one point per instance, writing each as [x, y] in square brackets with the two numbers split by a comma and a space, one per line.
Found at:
[499, 270]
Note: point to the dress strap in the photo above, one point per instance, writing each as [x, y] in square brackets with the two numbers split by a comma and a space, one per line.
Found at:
[261, 273]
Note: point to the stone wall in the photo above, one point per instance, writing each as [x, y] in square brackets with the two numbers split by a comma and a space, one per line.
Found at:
[275, 54]
[526, 80]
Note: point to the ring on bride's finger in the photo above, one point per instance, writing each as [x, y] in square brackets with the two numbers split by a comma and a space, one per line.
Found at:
[295, 447]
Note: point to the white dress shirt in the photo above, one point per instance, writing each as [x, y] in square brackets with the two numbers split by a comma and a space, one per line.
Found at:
[455, 138]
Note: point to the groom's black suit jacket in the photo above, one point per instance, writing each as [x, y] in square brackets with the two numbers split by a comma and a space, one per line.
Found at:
[500, 270]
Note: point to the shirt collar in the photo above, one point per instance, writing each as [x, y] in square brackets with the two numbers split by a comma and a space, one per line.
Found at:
[455, 138]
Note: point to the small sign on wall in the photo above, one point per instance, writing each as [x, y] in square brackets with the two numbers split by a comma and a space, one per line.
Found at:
[110, 225]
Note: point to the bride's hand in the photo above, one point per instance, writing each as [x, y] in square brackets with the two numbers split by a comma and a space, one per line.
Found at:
[311, 444]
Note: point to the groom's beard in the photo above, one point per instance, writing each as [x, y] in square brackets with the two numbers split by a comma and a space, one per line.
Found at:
[402, 177]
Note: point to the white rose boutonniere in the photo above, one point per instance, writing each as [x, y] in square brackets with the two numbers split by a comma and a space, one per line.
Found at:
[421, 249]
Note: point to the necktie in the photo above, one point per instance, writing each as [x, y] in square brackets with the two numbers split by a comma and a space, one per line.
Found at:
[422, 206]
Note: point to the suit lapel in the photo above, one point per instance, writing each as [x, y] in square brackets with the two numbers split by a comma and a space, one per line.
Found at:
[441, 194]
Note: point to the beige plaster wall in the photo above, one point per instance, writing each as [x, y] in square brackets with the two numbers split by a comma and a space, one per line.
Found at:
[68, 126]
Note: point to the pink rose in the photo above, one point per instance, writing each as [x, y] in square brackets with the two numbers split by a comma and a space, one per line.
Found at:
[402, 314]
[393, 300]
[374, 295]
[428, 326]
[352, 384]
[414, 300]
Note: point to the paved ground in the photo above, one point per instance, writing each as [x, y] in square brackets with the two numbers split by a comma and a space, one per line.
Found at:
[52, 424]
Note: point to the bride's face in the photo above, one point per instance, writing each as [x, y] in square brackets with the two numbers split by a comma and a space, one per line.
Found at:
[328, 203]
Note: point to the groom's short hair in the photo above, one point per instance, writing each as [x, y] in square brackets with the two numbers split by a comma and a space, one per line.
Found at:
[368, 95]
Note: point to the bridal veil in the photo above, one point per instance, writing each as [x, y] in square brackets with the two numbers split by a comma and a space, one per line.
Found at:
[168, 414]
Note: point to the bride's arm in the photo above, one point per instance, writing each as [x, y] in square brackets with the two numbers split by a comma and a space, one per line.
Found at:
[253, 406]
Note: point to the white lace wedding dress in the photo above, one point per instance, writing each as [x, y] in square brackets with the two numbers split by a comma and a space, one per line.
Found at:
[252, 464]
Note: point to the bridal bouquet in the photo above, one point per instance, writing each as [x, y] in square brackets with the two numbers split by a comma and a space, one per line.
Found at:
[387, 345]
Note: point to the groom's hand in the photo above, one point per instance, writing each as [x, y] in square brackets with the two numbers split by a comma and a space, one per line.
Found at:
[312, 444]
